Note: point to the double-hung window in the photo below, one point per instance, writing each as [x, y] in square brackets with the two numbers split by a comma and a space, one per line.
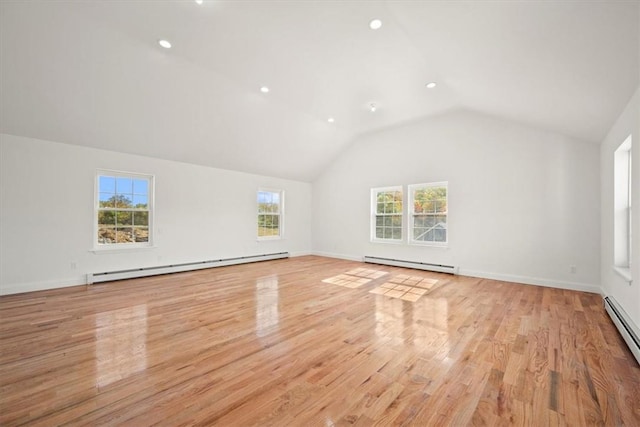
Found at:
[270, 214]
[123, 209]
[428, 213]
[386, 214]
[622, 209]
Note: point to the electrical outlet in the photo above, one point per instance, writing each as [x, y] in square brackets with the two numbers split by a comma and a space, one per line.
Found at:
[74, 265]
[573, 269]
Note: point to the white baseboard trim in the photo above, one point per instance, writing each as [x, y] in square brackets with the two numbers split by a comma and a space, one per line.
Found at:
[302, 253]
[549, 283]
[20, 288]
[339, 256]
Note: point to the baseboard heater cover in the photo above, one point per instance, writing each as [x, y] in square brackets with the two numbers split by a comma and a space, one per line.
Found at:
[625, 325]
[176, 268]
[440, 268]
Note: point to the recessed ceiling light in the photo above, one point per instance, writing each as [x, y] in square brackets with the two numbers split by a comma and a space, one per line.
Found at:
[372, 107]
[375, 24]
[264, 89]
[431, 85]
[331, 120]
[165, 44]
[199, 1]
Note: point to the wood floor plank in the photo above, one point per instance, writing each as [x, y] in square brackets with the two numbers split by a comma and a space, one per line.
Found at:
[275, 343]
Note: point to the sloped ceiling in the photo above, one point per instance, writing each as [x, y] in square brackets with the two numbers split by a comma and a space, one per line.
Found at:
[92, 73]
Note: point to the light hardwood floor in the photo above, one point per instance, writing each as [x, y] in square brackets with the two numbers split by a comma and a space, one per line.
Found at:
[272, 344]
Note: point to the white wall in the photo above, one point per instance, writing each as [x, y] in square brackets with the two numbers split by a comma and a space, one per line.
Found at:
[523, 204]
[627, 294]
[46, 215]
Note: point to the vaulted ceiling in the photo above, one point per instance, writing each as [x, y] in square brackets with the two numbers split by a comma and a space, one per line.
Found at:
[92, 73]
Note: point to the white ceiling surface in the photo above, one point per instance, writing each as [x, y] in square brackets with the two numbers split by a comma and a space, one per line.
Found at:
[91, 73]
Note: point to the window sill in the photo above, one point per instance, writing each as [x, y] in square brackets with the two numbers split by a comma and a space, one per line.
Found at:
[120, 250]
[388, 242]
[430, 244]
[623, 272]
[268, 239]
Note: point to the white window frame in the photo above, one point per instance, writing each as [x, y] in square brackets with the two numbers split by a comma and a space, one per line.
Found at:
[375, 214]
[280, 214]
[99, 247]
[412, 214]
[622, 214]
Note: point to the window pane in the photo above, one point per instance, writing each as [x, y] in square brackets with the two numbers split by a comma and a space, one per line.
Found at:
[388, 214]
[124, 185]
[141, 234]
[117, 197]
[107, 200]
[140, 201]
[268, 225]
[140, 186]
[264, 197]
[106, 218]
[440, 235]
[271, 207]
[124, 235]
[141, 218]
[123, 218]
[106, 235]
[123, 201]
[430, 209]
[107, 184]
[397, 233]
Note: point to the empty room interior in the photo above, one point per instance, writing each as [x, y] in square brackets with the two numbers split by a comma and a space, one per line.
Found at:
[236, 213]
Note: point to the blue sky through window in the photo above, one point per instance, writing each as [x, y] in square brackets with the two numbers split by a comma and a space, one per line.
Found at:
[136, 190]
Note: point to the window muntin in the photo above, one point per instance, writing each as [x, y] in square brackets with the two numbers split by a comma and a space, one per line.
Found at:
[270, 214]
[386, 217]
[428, 213]
[123, 209]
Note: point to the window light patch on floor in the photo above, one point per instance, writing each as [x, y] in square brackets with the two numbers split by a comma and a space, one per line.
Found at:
[347, 281]
[407, 288]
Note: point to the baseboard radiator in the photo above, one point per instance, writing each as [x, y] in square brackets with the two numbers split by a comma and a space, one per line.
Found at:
[440, 268]
[176, 268]
[625, 325]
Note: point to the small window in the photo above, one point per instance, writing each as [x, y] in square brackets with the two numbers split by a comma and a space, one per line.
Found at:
[270, 214]
[622, 206]
[123, 209]
[428, 213]
[386, 214]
